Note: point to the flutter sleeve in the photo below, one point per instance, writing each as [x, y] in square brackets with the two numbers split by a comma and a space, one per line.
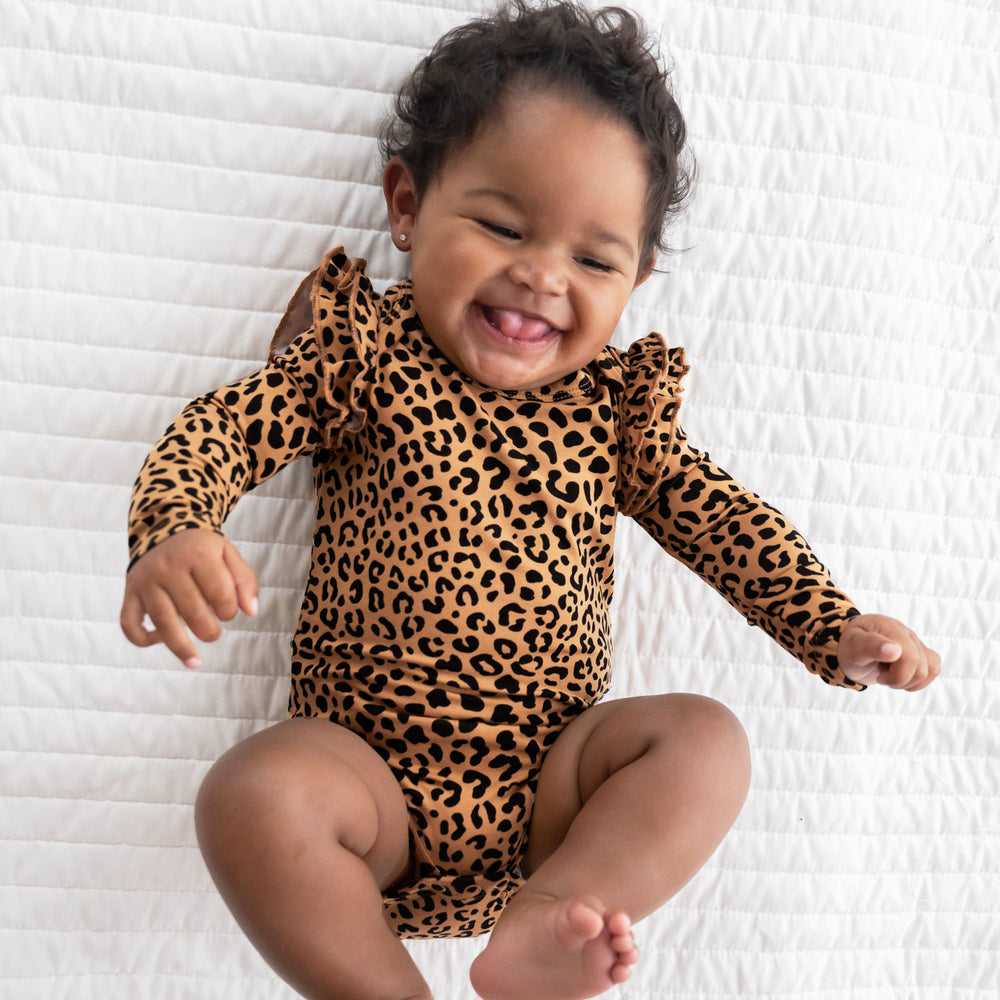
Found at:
[308, 397]
[743, 547]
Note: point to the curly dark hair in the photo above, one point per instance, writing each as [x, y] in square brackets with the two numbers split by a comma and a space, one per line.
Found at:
[600, 56]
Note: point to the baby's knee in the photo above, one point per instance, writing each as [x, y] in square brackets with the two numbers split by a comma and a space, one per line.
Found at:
[240, 791]
[263, 785]
[716, 738]
[715, 720]
[297, 781]
[702, 737]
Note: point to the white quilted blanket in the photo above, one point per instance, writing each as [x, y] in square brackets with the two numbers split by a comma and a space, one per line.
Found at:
[170, 169]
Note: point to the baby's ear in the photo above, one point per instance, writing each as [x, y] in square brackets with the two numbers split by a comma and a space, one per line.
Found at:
[400, 192]
[645, 270]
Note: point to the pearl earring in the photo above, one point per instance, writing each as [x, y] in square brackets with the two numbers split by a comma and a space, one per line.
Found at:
[403, 237]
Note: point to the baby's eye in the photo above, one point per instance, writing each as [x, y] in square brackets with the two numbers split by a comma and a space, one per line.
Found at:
[594, 265]
[504, 231]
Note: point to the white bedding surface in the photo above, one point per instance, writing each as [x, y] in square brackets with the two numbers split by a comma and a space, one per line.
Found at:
[170, 169]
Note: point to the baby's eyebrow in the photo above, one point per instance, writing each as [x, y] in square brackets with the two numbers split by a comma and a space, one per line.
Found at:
[505, 196]
[607, 237]
[598, 233]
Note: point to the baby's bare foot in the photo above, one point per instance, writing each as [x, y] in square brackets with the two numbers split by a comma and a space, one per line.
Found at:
[544, 948]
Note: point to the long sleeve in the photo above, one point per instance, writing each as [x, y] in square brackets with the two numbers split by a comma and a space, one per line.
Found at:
[227, 442]
[220, 447]
[740, 545]
[752, 555]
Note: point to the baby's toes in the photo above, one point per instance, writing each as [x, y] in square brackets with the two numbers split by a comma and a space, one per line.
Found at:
[627, 957]
[620, 974]
[620, 929]
[622, 941]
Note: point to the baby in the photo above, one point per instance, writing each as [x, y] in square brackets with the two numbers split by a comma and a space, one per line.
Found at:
[449, 767]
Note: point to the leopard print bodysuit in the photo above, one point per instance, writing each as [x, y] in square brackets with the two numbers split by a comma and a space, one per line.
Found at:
[456, 610]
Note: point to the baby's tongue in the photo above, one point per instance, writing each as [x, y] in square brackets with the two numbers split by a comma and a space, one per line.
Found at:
[516, 325]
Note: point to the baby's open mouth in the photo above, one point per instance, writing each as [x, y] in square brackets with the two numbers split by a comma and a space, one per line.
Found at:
[516, 325]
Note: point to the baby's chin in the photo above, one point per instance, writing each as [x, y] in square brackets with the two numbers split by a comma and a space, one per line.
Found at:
[495, 371]
[513, 381]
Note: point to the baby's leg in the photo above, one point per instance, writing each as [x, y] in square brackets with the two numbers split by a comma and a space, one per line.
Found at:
[302, 826]
[633, 799]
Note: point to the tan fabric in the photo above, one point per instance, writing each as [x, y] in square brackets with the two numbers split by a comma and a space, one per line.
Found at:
[456, 613]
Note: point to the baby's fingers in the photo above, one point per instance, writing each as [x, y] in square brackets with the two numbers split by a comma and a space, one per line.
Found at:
[866, 656]
[168, 626]
[244, 579]
[247, 589]
[226, 585]
[132, 621]
[878, 650]
[912, 669]
[917, 669]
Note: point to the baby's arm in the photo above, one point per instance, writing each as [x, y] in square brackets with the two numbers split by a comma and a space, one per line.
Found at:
[749, 552]
[184, 573]
[191, 580]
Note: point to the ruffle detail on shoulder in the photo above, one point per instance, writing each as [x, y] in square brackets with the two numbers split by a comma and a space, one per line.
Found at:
[650, 402]
[340, 306]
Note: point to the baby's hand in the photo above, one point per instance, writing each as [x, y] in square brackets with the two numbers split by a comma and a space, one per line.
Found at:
[878, 650]
[194, 578]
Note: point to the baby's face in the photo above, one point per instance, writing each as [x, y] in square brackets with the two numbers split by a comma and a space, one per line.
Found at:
[527, 244]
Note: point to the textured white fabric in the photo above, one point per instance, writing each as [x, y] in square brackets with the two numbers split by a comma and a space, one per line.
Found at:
[170, 169]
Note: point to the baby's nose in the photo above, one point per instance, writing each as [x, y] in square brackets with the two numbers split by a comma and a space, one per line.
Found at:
[541, 271]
